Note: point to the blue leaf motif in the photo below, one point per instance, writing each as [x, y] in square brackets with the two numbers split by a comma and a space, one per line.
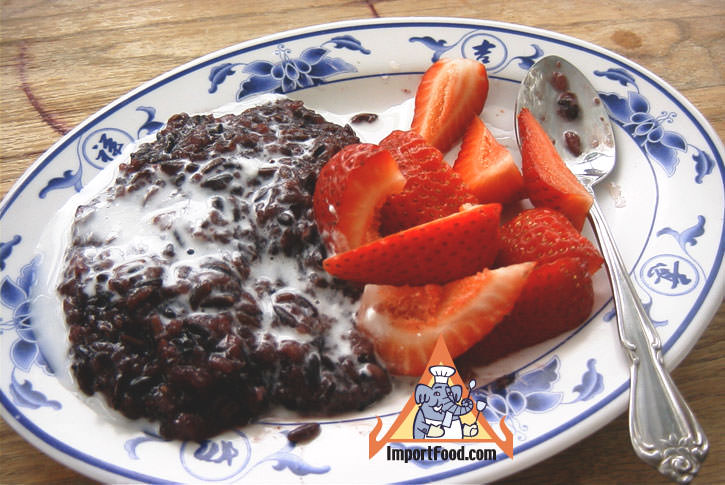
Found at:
[538, 379]
[542, 401]
[328, 67]
[704, 165]
[439, 47]
[637, 102]
[68, 179]
[131, 445]
[26, 278]
[592, 383]
[617, 106]
[295, 464]
[218, 74]
[673, 140]
[11, 295]
[666, 157]
[258, 84]
[525, 62]
[688, 236]
[150, 125]
[348, 42]
[622, 76]
[23, 354]
[313, 54]
[259, 68]
[25, 396]
[6, 248]
[497, 404]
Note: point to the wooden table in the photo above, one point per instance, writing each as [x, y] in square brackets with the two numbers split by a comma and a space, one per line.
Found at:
[63, 60]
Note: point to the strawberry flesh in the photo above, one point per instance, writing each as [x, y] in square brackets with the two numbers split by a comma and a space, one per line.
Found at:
[435, 252]
[450, 94]
[487, 167]
[548, 181]
[404, 322]
[351, 188]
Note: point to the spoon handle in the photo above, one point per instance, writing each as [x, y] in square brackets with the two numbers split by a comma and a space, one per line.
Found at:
[663, 429]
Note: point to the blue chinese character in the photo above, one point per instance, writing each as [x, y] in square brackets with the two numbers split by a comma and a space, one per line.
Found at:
[109, 145]
[662, 272]
[483, 50]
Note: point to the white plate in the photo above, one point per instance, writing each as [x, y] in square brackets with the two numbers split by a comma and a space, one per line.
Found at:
[664, 202]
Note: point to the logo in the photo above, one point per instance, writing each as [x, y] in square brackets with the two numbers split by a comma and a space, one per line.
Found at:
[441, 411]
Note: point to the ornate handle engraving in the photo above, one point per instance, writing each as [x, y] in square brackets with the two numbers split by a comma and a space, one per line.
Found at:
[664, 432]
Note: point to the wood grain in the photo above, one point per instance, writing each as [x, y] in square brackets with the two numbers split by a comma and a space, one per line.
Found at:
[61, 61]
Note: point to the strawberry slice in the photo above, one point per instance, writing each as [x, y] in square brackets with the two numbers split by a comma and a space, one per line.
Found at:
[432, 190]
[450, 94]
[350, 190]
[404, 322]
[558, 296]
[436, 252]
[487, 167]
[548, 181]
[543, 234]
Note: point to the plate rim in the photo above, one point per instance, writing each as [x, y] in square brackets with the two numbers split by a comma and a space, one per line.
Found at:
[674, 348]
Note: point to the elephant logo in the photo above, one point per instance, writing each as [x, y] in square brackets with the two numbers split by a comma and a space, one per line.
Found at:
[439, 412]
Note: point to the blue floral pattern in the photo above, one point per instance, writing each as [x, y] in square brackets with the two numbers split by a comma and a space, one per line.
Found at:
[533, 391]
[299, 63]
[632, 113]
[223, 458]
[483, 47]
[24, 352]
[311, 68]
[98, 149]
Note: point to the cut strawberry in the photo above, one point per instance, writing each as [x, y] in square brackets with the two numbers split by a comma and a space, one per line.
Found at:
[487, 167]
[450, 94]
[558, 296]
[548, 181]
[436, 252]
[350, 190]
[432, 190]
[404, 322]
[543, 234]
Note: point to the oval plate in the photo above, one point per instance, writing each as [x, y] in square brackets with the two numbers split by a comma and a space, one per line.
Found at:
[664, 202]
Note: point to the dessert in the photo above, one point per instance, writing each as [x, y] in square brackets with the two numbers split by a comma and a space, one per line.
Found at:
[193, 286]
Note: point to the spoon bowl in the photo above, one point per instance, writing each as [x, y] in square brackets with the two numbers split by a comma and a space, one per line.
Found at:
[569, 109]
[663, 430]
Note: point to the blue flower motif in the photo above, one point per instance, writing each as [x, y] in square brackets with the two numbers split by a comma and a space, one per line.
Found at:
[289, 74]
[24, 352]
[646, 130]
[15, 295]
[511, 396]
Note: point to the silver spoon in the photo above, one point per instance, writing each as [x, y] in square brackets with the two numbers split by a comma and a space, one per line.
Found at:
[663, 429]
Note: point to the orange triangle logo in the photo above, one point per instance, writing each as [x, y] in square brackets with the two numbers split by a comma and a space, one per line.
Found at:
[441, 410]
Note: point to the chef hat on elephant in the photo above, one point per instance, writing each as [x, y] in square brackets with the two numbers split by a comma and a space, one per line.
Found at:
[441, 373]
